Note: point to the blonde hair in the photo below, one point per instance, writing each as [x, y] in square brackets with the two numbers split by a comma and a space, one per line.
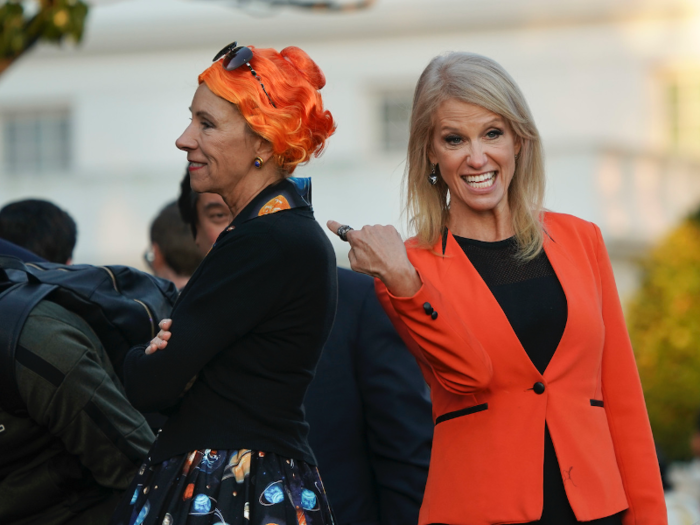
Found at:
[481, 81]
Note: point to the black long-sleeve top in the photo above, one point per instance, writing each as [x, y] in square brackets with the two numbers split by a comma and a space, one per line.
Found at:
[250, 324]
[533, 300]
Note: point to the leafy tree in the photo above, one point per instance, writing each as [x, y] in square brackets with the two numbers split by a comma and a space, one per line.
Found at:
[664, 323]
[23, 24]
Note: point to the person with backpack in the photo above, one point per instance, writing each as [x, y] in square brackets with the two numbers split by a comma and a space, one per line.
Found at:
[70, 441]
[248, 328]
[67, 460]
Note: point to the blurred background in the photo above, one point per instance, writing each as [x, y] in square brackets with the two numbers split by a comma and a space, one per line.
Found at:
[614, 86]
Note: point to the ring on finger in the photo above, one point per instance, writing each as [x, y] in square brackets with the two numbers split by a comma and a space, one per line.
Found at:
[343, 232]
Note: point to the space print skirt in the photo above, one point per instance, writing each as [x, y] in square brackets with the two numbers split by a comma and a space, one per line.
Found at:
[225, 487]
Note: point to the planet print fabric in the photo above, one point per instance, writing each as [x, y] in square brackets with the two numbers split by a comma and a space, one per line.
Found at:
[225, 487]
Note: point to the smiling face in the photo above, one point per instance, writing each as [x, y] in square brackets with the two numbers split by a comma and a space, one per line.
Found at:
[220, 148]
[475, 150]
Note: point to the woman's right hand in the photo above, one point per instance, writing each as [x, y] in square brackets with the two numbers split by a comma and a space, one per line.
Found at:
[379, 251]
[160, 341]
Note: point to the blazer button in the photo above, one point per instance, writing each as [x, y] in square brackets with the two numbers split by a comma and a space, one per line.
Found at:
[428, 308]
[434, 315]
[538, 388]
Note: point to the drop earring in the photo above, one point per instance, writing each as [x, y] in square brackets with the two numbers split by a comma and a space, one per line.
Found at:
[432, 178]
[258, 162]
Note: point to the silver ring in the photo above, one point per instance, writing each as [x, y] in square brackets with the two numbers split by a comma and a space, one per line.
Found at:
[343, 232]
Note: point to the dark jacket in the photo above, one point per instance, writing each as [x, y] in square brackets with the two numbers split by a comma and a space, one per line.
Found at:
[370, 414]
[251, 324]
[8, 248]
[82, 442]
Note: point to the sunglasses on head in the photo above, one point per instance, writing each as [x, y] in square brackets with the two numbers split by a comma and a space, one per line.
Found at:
[234, 57]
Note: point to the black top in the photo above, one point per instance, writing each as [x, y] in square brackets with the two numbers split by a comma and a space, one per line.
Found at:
[250, 324]
[534, 302]
[529, 293]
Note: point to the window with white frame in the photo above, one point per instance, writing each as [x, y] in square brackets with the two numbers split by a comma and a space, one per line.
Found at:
[683, 110]
[36, 141]
[395, 118]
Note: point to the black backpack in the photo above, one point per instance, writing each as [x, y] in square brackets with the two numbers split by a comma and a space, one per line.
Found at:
[121, 304]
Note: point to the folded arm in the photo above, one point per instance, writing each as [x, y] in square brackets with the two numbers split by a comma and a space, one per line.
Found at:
[222, 303]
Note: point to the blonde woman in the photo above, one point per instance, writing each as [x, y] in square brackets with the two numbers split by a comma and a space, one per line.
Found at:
[514, 318]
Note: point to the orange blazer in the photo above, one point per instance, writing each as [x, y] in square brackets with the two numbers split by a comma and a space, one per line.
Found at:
[490, 403]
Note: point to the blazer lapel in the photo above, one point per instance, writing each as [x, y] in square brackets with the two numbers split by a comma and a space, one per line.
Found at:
[562, 266]
[481, 311]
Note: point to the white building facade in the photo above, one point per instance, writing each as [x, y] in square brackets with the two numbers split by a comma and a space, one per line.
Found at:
[614, 87]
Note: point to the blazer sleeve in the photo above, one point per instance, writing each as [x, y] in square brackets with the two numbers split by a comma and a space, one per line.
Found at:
[625, 409]
[397, 414]
[441, 342]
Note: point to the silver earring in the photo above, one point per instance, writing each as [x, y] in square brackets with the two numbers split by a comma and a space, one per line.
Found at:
[432, 178]
[517, 155]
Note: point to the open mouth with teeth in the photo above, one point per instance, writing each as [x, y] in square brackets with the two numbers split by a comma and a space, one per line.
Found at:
[481, 181]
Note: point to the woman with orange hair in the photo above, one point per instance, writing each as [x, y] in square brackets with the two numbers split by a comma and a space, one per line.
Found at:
[246, 333]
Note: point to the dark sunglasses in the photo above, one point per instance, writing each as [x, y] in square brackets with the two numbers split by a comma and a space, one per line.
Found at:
[234, 57]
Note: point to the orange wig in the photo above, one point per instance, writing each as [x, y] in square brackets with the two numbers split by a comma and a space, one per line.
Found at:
[298, 126]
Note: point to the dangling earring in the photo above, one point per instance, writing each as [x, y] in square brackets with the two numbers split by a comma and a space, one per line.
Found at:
[258, 162]
[432, 178]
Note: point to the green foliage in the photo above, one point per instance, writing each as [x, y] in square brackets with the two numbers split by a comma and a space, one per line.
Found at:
[53, 21]
[664, 324]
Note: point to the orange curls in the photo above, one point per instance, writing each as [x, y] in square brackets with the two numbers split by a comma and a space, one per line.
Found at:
[298, 126]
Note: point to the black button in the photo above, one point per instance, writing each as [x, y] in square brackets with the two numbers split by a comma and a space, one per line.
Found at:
[434, 315]
[428, 308]
[538, 388]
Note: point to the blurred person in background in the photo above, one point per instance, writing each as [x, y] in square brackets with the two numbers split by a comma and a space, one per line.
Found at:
[205, 213]
[514, 316]
[250, 325]
[368, 407]
[40, 227]
[173, 254]
[68, 460]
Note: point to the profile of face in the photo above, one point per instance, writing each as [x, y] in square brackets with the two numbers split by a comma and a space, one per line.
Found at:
[220, 148]
[212, 217]
[475, 150]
